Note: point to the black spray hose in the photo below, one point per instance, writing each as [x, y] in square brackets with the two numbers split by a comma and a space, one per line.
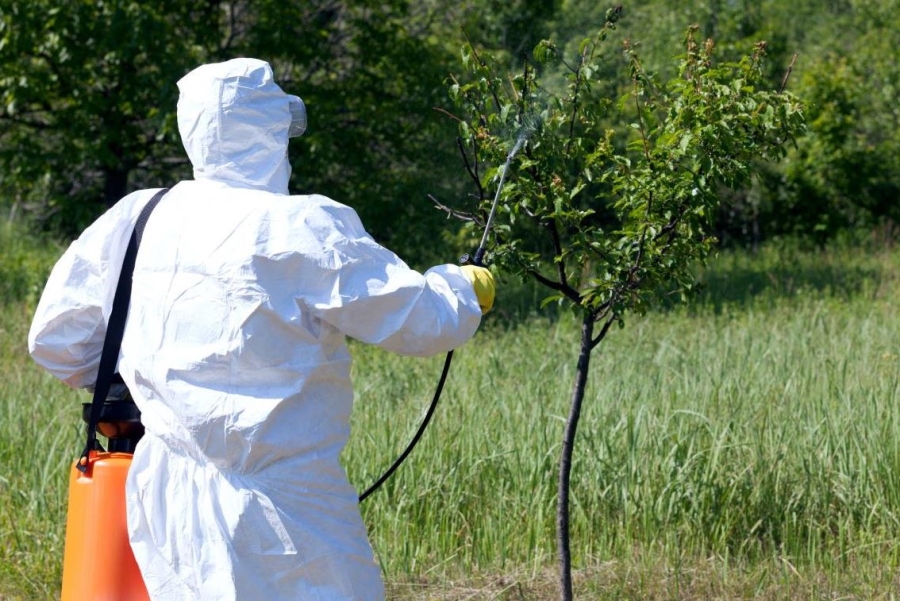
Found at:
[419, 432]
[477, 260]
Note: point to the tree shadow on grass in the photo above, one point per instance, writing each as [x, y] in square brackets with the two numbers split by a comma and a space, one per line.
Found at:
[731, 281]
[749, 285]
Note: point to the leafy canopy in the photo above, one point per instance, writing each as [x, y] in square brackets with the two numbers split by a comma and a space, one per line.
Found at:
[612, 201]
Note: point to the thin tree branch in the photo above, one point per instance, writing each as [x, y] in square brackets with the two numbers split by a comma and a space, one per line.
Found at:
[640, 116]
[448, 113]
[787, 74]
[475, 172]
[578, 74]
[565, 289]
[232, 28]
[672, 224]
[483, 64]
[471, 168]
[524, 93]
[462, 216]
[550, 224]
[603, 330]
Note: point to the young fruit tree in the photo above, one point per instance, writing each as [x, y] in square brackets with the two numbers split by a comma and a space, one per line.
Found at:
[609, 202]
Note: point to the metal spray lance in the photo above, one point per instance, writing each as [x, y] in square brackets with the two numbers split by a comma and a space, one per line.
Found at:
[478, 259]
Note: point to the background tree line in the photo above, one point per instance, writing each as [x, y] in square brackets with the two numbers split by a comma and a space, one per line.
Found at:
[88, 100]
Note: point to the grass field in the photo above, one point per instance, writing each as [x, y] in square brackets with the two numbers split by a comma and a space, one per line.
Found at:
[744, 447]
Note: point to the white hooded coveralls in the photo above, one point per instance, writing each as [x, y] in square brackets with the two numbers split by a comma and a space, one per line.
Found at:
[234, 351]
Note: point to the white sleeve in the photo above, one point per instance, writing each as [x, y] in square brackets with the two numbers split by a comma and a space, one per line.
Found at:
[368, 293]
[69, 324]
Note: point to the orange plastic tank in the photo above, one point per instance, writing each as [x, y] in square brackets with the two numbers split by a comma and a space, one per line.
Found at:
[98, 564]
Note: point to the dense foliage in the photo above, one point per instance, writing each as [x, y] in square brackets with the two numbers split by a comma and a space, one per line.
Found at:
[608, 201]
[88, 99]
[88, 95]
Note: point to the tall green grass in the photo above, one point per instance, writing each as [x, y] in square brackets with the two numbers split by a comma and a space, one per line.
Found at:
[762, 421]
[38, 429]
[25, 262]
[745, 446]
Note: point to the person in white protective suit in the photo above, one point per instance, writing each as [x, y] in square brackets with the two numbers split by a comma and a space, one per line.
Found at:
[235, 352]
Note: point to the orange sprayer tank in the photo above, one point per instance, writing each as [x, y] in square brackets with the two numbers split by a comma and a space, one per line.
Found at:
[98, 564]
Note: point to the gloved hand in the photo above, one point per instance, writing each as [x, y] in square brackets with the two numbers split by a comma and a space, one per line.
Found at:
[483, 282]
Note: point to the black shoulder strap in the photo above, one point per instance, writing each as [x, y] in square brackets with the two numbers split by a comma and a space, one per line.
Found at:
[112, 343]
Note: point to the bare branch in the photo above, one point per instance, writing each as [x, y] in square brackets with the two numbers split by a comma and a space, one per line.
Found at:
[448, 113]
[550, 224]
[462, 216]
[603, 330]
[471, 168]
[232, 27]
[524, 93]
[787, 74]
[567, 290]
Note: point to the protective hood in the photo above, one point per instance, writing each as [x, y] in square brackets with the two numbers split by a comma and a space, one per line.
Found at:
[235, 122]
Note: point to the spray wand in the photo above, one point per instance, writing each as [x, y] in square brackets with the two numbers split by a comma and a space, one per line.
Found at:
[478, 260]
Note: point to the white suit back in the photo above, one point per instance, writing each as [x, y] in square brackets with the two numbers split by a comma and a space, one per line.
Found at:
[235, 353]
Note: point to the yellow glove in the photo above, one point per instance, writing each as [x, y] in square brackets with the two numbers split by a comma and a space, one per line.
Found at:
[483, 283]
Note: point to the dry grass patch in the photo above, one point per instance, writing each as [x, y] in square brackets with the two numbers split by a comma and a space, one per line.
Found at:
[641, 579]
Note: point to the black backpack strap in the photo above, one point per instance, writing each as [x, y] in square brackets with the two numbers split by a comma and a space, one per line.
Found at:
[112, 343]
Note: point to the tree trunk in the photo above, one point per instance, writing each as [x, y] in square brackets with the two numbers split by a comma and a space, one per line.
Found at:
[565, 462]
[115, 184]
